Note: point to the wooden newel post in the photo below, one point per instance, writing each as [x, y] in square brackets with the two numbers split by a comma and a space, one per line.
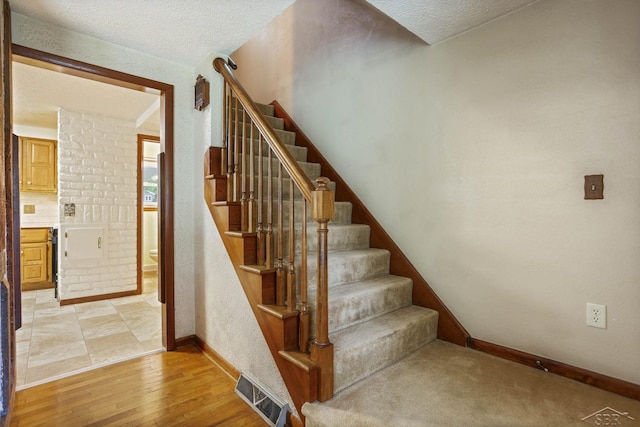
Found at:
[322, 210]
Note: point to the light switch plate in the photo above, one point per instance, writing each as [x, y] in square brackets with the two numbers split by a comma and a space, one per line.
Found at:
[593, 187]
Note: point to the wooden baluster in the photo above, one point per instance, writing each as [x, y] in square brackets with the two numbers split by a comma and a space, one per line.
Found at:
[260, 230]
[269, 236]
[236, 155]
[303, 329]
[291, 276]
[322, 210]
[244, 201]
[252, 182]
[280, 275]
[225, 118]
[230, 147]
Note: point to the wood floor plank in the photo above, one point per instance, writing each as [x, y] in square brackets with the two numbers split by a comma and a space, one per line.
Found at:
[180, 388]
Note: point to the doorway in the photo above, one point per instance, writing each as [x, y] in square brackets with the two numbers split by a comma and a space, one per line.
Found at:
[148, 185]
[164, 210]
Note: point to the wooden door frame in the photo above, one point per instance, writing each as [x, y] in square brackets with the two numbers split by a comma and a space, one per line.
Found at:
[166, 92]
[9, 247]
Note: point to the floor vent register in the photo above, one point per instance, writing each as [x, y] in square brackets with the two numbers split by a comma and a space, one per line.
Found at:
[266, 405]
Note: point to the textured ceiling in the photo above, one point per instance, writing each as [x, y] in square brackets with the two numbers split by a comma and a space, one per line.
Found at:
[38, 93]
[437, 20]
[186, 31]
[183, 31]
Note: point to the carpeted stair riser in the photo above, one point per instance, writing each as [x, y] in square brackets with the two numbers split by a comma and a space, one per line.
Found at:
[370, 346]
[348, 266]
[353, 303]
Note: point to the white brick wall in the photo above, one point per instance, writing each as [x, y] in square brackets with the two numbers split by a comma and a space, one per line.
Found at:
[97, 170]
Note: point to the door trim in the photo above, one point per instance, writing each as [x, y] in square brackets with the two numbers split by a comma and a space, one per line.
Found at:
[166, 92]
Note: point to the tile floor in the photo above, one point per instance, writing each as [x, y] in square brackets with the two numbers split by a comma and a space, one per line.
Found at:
[55, 340]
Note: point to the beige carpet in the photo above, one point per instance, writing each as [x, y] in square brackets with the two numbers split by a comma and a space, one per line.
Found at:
[446, 385]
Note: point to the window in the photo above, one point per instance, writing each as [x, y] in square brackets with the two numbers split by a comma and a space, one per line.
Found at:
[150, 183]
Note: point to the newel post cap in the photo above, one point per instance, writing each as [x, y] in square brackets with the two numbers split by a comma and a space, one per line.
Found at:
[323, 201]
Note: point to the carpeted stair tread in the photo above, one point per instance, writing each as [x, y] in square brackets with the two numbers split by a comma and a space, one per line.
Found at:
[350, 266]
[357, 302]
[342, 213]
[367, 347]
[342, 237]
[285, 187]
[274, 122]
[319, 415]
[312, 170]
[286, 137]
[265, 109]
[298, 153]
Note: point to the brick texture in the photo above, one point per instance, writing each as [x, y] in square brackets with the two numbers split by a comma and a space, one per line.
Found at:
[97, 171]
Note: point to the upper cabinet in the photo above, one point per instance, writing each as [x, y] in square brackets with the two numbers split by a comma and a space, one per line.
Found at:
[38, 165]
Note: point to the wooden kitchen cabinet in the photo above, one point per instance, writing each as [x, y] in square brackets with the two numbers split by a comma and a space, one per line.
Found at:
[35, 256]
[38, 165]
[34, 262]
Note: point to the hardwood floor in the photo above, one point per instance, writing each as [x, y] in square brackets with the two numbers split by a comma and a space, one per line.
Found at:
[180, 388]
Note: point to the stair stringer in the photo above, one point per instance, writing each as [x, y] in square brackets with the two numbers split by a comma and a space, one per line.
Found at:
[449, 328]
[300, 374]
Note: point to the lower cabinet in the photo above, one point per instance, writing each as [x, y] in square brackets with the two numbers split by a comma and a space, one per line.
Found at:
[35, 247]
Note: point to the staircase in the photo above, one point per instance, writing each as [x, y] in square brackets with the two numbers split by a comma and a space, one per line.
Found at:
[371, 319]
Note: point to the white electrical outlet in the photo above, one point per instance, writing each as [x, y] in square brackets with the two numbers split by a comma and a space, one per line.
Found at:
[597, 315]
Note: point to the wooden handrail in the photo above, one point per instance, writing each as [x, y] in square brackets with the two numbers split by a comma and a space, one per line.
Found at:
[291, 166]
[239, 141]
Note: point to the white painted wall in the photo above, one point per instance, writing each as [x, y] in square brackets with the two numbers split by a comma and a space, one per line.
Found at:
[472, 153]
[149, 239]
[35, 132]
[50, 38]
[46, 214]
